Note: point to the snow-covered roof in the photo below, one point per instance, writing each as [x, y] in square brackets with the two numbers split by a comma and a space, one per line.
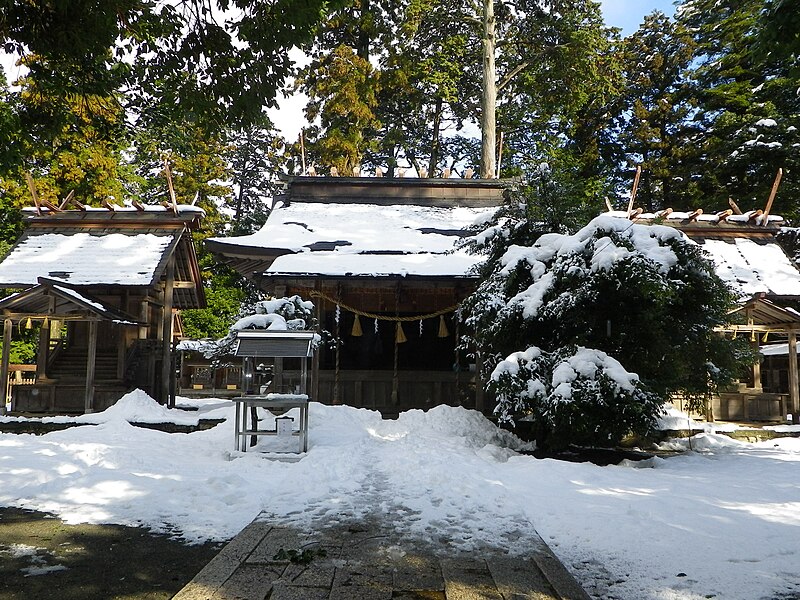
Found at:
[753, 267]
[775, 349]
[742, 247]
[365, 239]
[375, 265]
[359, 228]
[86, 258]
[675, 216]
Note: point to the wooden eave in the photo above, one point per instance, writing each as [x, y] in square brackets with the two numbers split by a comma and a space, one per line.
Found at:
[188, 289]
[387, 191]
[761, 315]
[46, 300]
[722, 230]
[90, 219]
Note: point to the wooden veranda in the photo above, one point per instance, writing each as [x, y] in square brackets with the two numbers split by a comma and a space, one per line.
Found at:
[762, 320]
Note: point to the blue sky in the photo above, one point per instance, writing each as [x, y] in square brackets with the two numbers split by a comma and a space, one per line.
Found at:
[629, 14]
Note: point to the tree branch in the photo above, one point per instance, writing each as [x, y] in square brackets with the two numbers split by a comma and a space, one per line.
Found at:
[513, 73]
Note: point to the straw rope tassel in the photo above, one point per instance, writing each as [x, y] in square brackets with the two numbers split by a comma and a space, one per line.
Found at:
[28, 324]
[356, 331]
[443, 332]
[400, 336]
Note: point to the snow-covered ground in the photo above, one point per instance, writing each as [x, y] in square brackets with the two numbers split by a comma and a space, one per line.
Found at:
[722, 521]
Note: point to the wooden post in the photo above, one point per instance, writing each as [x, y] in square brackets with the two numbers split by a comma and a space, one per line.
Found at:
[7, 327]
[173, 200]
[315, 360]
[756, 367]
[794, 392]
[277, 375]
[34, 195]
[480, 396]
[772, 196]
[166, 335]
[41, 353]
[634, 188]
[91, 355]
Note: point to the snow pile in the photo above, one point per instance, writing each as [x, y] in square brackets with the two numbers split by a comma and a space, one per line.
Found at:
[271, 322]
[138, 407]
[682, 529]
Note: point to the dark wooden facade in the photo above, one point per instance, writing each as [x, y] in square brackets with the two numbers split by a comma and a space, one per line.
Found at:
[105, 317]
[376, 367]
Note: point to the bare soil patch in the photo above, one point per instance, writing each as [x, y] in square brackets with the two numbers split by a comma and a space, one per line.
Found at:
[43, 558]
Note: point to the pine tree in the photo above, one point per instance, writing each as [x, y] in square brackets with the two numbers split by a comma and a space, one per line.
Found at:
[654, 114]
[748, 107]
[643, 295]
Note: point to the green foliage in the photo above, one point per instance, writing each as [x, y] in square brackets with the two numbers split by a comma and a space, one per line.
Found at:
[181, 56]
[300, 557]
[654, 113]
[641, 294]
[748, 110]
[256, 154]
[341, 87]
[572, 396]
[223, 305]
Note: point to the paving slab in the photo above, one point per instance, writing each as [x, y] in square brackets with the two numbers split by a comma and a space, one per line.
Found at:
[467, 579]
[519, 579]
[205, 584]
[369, 561]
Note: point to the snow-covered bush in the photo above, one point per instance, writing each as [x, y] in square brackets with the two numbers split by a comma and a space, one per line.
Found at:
[644, 295]
[275, 314]
[573, 396]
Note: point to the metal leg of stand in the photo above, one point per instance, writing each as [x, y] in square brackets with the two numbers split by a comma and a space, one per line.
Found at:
[236, 426]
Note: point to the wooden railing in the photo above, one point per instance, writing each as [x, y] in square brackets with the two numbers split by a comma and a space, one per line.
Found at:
[18, 375]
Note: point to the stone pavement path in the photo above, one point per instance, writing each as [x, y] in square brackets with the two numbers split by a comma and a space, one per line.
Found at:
[368, 561]
[369, 544]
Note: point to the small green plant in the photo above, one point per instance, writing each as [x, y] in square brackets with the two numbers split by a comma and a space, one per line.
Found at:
[300, 557]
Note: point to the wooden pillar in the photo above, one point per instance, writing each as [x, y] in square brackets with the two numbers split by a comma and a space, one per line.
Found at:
[794, 392]
[144, 317]
[315, 359]
[42, 352]
[277, 375]
[88, 404]
[756, 367]
[7, 327]
[166, 335]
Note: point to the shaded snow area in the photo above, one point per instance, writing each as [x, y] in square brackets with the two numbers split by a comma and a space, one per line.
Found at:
[721, 521]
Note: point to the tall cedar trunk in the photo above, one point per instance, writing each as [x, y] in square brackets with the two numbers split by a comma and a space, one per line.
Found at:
[437, 124]
[363, 35]
[239, 200]
[489, 97]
